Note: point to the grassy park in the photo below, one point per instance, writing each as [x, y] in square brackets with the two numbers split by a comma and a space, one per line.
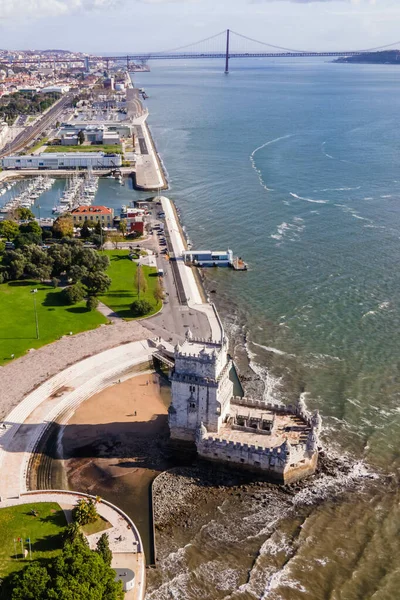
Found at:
[123, 290]
[55, 319]
[44, 531]
[108, 148]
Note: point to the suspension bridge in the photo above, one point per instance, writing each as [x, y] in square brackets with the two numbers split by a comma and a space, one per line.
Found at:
[225, 45]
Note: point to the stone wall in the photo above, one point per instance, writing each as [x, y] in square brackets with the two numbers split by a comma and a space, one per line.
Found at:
[275, 463]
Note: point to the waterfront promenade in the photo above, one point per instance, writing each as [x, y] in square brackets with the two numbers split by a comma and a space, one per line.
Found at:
[149, 174]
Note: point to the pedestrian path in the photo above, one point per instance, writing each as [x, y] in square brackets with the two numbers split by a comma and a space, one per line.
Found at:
[56, 400]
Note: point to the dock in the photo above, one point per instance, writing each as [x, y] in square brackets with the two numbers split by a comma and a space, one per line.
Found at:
[238, 264]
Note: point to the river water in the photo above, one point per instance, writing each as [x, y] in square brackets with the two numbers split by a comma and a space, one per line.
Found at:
[295, 165]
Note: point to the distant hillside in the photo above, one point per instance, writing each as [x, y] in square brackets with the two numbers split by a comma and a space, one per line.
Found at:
[56, 51]
[385, 57]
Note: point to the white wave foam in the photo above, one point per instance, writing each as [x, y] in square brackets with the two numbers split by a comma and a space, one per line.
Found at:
[323, 486]
[253, 162]
[272, 385]
[341, 189]
[326, 154]
[295, 228]
[274, 350]
[351, 211]
[308, 199]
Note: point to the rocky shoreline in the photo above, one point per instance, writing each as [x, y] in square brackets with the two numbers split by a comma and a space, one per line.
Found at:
[178, 490]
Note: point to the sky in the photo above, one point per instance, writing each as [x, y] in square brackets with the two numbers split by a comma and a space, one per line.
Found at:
[154, 25]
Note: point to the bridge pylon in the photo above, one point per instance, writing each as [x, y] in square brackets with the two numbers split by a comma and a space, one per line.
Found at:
[227, 53]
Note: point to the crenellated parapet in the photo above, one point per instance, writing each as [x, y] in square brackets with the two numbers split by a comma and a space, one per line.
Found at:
[253, 403]
[283, 462]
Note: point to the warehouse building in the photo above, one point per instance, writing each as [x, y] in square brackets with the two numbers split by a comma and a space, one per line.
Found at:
[59, 160]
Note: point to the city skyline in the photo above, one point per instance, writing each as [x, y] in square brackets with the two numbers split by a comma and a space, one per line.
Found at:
[122, 26]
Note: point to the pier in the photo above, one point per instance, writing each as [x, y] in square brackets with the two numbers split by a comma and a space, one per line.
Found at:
[148, 175]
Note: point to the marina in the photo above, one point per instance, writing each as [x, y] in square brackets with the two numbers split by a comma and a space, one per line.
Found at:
[32, 190]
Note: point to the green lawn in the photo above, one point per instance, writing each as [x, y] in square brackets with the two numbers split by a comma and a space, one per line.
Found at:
[39, 144]
[123, 290]
[43, 530]
[17, 317]
[100, 524]
[111, 148]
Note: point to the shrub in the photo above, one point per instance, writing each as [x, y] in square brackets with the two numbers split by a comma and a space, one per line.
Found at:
[92, 303]
[73, 293]
[141, 307]
[84, 511]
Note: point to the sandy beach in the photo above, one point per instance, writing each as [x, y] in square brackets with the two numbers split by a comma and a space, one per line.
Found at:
[114, 445]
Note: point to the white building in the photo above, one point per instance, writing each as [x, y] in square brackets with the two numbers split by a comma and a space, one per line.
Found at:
[281, 441]
[208, 258]
[95, 134]
[201, 388]
[59, 160]
[55, 89]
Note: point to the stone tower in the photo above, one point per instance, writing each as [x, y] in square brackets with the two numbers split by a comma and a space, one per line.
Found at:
[201, 389]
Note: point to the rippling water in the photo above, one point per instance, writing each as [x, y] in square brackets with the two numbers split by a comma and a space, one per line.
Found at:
[295, 165]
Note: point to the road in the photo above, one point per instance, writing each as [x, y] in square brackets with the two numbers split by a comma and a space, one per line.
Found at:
[176, 316]
[33, 131]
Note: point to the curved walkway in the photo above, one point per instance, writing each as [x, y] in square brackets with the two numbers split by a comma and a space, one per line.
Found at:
[124, 538]
[20, 377]
[56, 400]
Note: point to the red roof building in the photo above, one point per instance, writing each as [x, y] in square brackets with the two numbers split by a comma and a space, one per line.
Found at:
[92, 214]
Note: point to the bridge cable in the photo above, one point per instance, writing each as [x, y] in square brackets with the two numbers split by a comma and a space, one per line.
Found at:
[309, 51]
[211, 37]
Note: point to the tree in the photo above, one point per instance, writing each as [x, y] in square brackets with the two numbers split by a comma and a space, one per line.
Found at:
[77, 573]
[61, 256]
[24, 214]
[63, 227]
[31, 584]
[54, 282]
[14, 264]
[81, 137]
[115, 238]
[77, 272]
[103, 548]
[86, 232]
[123, 226]
[92, 303]
[73, 293]
[9, 229]
[39, 264]
[26, 239]
[31, 227]
[2, 247]
[140, 280]
[84, 511]
[89, 258]
[96, 282]
[71, 532]
[158, 292]
[141, 307]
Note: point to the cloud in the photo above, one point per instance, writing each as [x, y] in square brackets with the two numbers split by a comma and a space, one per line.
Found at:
[353, 2]
[11, 9]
